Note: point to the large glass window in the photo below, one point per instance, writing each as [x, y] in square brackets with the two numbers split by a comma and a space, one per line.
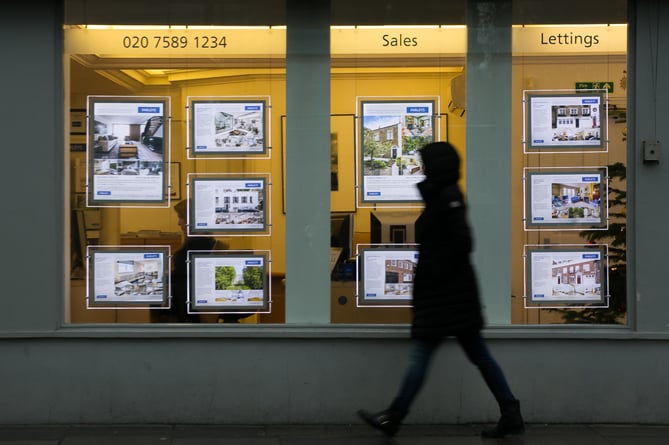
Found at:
[567, 196]
[177, 158]
[569, 163]
[403, 88]
[175, 164]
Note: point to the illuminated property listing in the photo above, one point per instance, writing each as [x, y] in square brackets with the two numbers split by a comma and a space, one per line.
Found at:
[392, 133]
[228, 127]
[127, 150]
[127, 277]
[566, 275]
[231, 281]
[387, 274]
[566, 121]
[232, 205]
[576, 199]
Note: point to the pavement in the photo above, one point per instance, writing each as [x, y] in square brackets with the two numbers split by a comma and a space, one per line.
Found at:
[585, 434]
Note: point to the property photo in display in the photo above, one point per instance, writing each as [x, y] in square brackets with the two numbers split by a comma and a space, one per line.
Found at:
[234, 282]
[567, 121]
[391, 134]
[227, 126]
[566, 275]
[566, 199]
[126, 150]
[387, 275]
[127, 276]
[228, 205]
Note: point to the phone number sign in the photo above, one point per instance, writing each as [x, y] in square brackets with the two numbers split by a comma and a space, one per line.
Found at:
[149, 42]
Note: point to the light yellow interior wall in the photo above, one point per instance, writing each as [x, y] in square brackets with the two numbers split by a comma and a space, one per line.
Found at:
[346, 89]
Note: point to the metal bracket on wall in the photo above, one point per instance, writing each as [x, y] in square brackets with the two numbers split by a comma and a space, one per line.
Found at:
[651, 152]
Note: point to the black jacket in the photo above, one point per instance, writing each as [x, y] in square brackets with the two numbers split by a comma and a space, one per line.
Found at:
[445, 295]
[178, 312]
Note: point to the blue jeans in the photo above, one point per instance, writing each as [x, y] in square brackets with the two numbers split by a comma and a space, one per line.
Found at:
[477, 352]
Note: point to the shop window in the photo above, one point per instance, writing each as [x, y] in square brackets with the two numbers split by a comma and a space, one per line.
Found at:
[173, 140]
[573, 164]
[577, 58]
[206, 128]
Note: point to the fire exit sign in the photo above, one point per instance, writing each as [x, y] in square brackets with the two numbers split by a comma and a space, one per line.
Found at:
[595, 86]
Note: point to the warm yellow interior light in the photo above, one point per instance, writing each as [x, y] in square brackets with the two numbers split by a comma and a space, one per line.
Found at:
[180, 27]
[592, 25]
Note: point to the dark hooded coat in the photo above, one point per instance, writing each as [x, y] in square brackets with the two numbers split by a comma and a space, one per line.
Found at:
[445, 295]
[178, 311]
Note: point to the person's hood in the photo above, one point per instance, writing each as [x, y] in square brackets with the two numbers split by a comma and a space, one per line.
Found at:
[441, 163]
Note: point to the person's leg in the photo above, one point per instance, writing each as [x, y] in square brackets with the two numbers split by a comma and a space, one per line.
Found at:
[511, 420]
[420, 357]
[388, 421]
[477, 352]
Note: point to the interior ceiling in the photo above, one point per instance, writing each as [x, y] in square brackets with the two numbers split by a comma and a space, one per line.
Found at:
[133, 74]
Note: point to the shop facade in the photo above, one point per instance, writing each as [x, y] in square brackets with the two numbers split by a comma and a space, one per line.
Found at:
[295, 88]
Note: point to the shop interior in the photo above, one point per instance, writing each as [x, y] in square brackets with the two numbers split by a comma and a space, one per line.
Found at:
[437, 77]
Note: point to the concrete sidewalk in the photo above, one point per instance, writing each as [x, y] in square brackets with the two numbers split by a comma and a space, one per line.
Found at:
[326, 435]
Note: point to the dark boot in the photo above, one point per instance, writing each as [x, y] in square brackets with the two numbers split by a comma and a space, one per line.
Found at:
[388, 421]
[511, 421]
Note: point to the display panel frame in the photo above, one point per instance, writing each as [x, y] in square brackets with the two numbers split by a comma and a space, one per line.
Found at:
[174, 188]
[128, 146]
[385, 274]
[584, 267]
[117, 273]
[557, 121]
[394, 126]
[230, 204]
[571, 198]
[228, 127]
[207, 275]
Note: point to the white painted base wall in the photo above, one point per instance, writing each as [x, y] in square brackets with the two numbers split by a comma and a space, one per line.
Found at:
[287, 381]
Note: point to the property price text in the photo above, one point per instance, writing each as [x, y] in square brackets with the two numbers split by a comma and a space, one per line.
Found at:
[174, 41]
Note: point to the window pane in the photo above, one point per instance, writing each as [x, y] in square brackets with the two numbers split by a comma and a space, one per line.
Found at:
[162, 114]
[573, 69]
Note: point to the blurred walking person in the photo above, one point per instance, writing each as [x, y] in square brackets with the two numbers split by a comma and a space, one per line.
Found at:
[446, 297]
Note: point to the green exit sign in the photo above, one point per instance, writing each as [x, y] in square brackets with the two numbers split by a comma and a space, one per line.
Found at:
[595, 86]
